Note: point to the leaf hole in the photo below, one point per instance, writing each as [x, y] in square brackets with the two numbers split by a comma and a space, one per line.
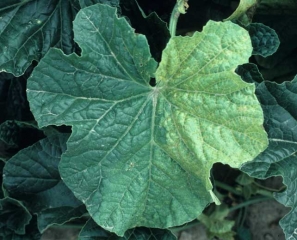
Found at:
[153, 82]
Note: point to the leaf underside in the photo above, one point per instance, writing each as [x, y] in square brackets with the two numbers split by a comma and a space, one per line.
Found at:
[141, 155]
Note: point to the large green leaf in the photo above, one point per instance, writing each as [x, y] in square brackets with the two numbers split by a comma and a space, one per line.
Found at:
[279, 102]
[91, 231]
[29, 28]
[141, 155]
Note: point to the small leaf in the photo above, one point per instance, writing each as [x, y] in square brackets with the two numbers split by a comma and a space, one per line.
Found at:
[264, 39]
[279, 103]
[29, 28]
[91, 231]
[141, 155]
[14, 216]
[58, 216]
[217, 225]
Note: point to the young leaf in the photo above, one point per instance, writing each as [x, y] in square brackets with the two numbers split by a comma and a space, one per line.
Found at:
[29, 28]
[217, 225]
[264, 39]
[91, 231]
[279, 103]
[138, 155]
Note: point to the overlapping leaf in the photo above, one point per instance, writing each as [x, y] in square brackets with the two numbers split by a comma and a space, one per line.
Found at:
[279, 102]
[29, 28]
[140, 155]
[32, 175]
[14, 217]
[264, 39]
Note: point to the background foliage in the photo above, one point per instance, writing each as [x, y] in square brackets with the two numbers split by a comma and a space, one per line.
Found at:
[38, 192]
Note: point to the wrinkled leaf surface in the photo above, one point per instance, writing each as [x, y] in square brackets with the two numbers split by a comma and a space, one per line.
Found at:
[141, 155]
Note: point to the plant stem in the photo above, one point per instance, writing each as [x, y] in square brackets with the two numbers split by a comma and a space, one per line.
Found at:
[268, 188]
[185, 227]
[173, 20]
[249, 202]
[226, 187]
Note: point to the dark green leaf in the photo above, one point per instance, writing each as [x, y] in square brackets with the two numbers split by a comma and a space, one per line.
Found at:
[281, 66]
[55, 197]
[35, 168]
[91, 231]
[29, 28]
[135, 155]
[14, 216]
[32, 232]
[9, 134]
[249, 72]
[279, 103]
[58, 216]
[32, 175]
[264, 39]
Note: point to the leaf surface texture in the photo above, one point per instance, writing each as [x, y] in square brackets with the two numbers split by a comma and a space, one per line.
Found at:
[141, 155]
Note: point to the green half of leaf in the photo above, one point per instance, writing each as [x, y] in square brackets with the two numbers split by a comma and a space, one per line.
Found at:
[141, 155]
